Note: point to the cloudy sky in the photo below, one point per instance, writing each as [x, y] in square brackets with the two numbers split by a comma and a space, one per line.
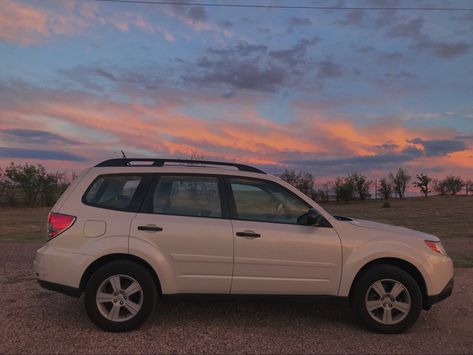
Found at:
[326, 91]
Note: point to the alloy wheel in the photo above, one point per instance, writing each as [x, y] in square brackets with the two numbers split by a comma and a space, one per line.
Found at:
[119, 298]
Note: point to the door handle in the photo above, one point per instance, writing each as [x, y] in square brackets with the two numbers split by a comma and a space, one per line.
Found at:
[248, 234]
[150, 228]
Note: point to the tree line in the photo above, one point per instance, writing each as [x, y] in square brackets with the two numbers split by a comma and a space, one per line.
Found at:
[27, 185]
[356, 186]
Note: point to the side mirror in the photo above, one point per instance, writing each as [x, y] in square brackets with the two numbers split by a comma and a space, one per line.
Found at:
[312, 217]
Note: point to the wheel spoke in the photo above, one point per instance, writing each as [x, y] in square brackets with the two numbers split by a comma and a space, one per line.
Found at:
[402, 307]
[114, 312]
[373, 305]
[397, 289]
[132, 307]
[379, 288]
[387, 316]
[104, 297]
[133, 288]
[115, 282]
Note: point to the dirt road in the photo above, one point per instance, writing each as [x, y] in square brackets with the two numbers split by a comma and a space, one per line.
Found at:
[36, 320]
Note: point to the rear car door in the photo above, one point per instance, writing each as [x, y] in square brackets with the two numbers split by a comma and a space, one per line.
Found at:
[273, 253]
[184, 220]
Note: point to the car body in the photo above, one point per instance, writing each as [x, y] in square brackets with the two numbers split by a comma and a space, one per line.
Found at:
[186, 227]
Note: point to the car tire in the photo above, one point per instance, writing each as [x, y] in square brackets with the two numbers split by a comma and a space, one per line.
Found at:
[120, 296]
[386, 299]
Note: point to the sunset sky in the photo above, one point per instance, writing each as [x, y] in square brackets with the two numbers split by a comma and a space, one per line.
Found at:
[325, 91]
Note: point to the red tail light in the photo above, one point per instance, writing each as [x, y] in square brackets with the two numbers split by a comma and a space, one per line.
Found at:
[58, 223]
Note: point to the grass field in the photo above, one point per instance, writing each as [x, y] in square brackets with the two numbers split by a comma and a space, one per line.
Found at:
[23, 224]
[449, 217]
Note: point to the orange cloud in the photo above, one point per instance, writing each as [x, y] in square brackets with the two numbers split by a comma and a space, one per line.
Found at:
[463, 159]
[107, 126]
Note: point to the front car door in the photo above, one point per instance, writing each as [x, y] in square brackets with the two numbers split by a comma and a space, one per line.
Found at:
[273, 253]
[183, 221]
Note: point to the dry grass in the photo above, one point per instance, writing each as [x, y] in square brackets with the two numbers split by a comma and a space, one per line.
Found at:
[444, 216]
[23, 224]
[449, 217]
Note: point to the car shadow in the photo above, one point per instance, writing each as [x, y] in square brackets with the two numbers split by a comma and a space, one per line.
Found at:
[225, 312]
[252, 311]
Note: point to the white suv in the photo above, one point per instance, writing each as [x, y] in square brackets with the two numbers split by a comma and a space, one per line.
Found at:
[128, 230]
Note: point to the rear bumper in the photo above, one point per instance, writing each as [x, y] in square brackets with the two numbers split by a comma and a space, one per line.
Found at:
[445, 293]
[67, 290]
[59, 267]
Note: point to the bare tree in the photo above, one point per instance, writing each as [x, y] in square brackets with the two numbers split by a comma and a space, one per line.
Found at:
[422, 183]
[361, 185]
[439, 187]
[344, 189]
[385, 188]
[290, 176]
[195, 155]
[400, 182]
[453, 184]
[468, 187]
[323, 192]
[303, 181]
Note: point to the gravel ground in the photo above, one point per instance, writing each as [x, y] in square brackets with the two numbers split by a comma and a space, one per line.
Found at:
[40, 321]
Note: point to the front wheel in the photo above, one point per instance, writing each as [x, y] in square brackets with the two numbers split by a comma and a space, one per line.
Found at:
[386, 299]
[120, 296]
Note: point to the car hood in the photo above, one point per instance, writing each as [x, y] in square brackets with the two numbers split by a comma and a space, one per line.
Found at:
[392, 229]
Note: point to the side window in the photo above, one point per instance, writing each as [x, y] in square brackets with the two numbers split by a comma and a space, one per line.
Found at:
[112, 191]
[187, 196]
[257, 200]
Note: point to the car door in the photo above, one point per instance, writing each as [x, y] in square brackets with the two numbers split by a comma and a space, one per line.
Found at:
[273, 253]
[184, 222]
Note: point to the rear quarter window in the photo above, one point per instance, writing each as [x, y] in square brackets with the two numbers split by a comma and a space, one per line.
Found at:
[115, 192]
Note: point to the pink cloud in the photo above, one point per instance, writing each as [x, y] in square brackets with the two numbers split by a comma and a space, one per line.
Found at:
[106, 126]
[26, 24]
[22, 24]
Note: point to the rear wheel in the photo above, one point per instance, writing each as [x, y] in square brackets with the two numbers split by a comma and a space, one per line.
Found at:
[120, 296]
[386, 299]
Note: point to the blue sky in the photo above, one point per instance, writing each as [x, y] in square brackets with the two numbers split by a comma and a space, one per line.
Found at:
[327, 91]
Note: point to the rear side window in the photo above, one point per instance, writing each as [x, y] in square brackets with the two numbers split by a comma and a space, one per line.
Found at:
[114, 192]
[196, 196]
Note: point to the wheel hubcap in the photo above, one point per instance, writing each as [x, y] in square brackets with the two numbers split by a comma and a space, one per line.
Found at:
[388, 301]
[119, 298]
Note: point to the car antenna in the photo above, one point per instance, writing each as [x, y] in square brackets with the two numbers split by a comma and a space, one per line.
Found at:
[123, 153]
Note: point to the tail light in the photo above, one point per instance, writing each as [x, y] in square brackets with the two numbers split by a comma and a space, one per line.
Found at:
[58, 223]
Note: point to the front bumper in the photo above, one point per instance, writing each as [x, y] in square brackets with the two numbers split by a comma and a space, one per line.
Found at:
[445, 293]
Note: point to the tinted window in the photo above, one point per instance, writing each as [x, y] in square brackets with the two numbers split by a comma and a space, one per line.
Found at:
[113, 191]
[257, 200]
[187, 196]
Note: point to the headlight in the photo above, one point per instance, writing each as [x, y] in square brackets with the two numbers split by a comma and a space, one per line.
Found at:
[436, 247]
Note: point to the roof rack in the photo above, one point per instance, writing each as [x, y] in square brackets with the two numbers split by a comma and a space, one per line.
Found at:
[161, 162]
